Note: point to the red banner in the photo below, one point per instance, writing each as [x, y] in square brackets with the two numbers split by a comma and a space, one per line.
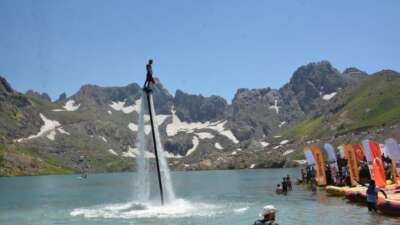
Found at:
[377, 163]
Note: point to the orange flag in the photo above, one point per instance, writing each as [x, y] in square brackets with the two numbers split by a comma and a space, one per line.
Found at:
[352, 163]
[319, 165]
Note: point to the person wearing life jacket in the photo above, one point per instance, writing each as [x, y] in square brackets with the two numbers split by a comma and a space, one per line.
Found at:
[149, 75]
[268, 214]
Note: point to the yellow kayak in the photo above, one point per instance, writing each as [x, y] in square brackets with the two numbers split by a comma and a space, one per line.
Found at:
[336, 191]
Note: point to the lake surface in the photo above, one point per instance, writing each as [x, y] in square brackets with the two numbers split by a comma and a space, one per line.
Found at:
[206, 197]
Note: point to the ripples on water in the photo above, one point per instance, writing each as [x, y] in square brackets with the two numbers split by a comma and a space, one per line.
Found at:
[212, 197]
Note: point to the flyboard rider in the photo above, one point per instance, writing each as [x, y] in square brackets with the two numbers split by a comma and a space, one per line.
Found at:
[149, 76]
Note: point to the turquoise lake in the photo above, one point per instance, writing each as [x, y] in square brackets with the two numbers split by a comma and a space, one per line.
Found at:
[204, 197]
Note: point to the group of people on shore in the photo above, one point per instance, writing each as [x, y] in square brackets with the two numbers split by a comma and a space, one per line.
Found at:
[285, 186]
[308, 176]
[341, 177]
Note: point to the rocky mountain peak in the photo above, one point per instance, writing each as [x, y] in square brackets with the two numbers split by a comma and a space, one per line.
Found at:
[311, 81]
[354, 75]
[320, 76]
[44, 96]
[62, 97]
[194, 108]
[5, 86]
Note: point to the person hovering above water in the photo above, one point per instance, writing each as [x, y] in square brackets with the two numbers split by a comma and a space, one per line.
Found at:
[268, 214]
[149, 75]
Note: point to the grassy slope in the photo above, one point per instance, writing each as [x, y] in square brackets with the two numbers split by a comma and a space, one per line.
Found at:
[373, 103]
[17, 161]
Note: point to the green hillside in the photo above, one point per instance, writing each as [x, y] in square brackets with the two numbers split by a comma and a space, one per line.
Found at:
[374, 102]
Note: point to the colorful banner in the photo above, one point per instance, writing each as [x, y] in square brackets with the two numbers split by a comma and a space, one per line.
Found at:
[309, 157]
[358, 149]
[373, 154]
[393, 151]
[341, 152]
[332, 161]
[352, 163]
[319, 165]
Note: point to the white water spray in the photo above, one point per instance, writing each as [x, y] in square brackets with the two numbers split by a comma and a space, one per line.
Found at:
[143, 185]
[165, 174]
[142, 163]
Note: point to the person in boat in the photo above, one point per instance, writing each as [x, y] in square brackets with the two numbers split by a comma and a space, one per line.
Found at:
[372, 196]
[289, 183]
[278, 189]
[149, 75]
[268, 214]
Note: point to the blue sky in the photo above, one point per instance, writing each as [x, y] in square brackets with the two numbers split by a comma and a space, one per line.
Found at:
[200, 46]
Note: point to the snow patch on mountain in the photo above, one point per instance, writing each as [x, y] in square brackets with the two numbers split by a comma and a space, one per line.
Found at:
[103, 138]
[120, 106]
[328, 97]
[281, 124]
[133, 127]
[300, 162]
[205, 135]
[218, 146]
[51, 135]
[287, 152]
[133, 152]
[47, 127]
[160, 118]
[195, 142]
[264, 144]
[171, 155]
[284, 142]
[275, 107]
[71, 106]
[180, 126]
[112, 152]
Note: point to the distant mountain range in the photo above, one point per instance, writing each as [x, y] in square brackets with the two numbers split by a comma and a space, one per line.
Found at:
[95, 129]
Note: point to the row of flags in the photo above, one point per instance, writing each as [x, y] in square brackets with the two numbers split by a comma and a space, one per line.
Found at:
[354, 154]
